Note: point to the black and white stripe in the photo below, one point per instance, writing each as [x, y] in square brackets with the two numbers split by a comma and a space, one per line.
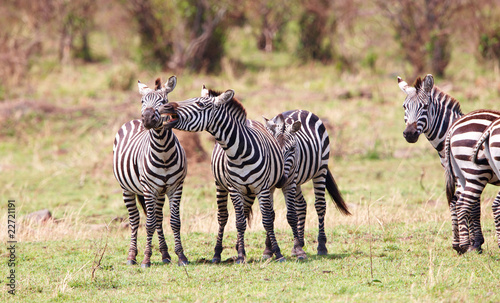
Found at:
[149, 163]
[312, 157]
[490, 139]
[430, 111]
[247, 161]
[471, 175]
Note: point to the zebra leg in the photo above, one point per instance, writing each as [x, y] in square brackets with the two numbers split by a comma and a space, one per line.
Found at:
[290, 192]
[241, 225]
[175, 224]
[150, 200]
[266, 208]
[320, 205]
[222, 216]
[496, 216]
[165, 256]
[464, 206]
[301, 211]
[454, 223]
[477, 238]
[134, 218]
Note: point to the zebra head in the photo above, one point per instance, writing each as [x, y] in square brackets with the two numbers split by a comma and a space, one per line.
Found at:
[285, 133]
[152, 99]
[416, 106]
[198, 114]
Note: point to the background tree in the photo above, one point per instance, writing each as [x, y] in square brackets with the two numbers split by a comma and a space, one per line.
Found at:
[423, 30]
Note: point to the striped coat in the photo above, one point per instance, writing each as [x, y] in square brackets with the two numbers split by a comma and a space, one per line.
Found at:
[149, 163]
[313, 153]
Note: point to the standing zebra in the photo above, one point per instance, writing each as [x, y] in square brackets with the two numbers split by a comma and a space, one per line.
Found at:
[246, 161]
[312, 157]
[471, 175]
[430, 111]
[149, 162]
[286, 135]
[491, 141]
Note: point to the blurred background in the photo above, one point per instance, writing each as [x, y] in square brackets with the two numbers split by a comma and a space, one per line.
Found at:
[69, 71]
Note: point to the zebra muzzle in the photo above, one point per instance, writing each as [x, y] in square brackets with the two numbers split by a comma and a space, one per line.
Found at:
[169, 119]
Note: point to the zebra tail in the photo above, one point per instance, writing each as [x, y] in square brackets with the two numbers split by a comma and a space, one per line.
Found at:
[142, 202]
[448, 168]
[480, 143]
[334, 192]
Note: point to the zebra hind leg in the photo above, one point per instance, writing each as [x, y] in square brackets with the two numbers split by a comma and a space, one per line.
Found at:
[320, 205]
[134, 218]
[477, 238]
[496, 216]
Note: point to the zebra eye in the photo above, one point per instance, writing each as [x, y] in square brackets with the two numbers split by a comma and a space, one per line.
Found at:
[200, 104]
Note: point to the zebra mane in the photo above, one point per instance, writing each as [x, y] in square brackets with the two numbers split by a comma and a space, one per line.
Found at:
[236, 103]
[438, 94]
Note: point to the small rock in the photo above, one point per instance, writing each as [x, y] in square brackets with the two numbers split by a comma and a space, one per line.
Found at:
[40, 216]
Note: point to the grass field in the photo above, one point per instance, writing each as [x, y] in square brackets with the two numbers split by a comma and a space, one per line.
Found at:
[56, 150]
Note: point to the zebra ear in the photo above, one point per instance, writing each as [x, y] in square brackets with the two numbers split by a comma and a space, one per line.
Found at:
[296, 126]
[225, 97]
[170, 84]
[204, 92]
[403, 85]
[428, 83]
[143, 88]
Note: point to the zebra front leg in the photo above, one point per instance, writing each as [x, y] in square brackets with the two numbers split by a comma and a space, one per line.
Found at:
[150, 200]
[134, 218]
[165, 256]
[222, 216]
[175, 224]
[266, 208]
[320, 205]
[241, 225]
[290, 193]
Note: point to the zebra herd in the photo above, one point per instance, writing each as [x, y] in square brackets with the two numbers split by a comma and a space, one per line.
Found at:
[249, 161]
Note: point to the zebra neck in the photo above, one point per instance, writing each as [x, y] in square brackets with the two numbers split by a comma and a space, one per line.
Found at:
[161, 140]
[236, 141]
[441, 118]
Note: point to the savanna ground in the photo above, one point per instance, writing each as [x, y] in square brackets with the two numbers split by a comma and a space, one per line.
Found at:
[56, 151]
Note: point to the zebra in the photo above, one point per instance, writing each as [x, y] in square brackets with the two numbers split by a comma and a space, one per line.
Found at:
[472, 173]
[247, 161]
[491, 141]
[432, 112]
[148, 163]
[286, 135]
[312, 156]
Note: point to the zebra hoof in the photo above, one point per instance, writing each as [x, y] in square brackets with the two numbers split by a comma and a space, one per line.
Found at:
[183, 263]
[302, 257]
[166, 261]
[240, 261]
[145, 265]
[266, 256]
[322, 252]
[281, 260]
[131, 262]
[215, 260]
